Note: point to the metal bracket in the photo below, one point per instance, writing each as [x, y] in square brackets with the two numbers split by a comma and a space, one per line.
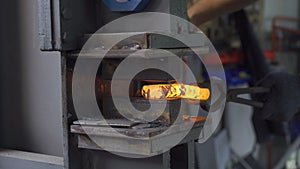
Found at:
[49, 25]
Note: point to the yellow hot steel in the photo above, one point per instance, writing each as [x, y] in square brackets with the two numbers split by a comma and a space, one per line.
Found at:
[174, 91]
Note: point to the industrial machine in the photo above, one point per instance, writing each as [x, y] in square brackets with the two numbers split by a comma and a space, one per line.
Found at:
[70, 27]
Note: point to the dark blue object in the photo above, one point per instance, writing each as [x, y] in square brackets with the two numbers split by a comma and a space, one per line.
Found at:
[237, 76]
[126, 5]
[234, 76]
[295, 128]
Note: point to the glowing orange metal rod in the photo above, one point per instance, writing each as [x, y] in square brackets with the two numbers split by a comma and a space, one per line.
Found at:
[174, 91]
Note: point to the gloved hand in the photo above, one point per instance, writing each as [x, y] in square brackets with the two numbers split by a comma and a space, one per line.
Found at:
[283, 101]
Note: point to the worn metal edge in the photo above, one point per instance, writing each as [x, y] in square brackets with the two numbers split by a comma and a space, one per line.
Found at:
[34, 157]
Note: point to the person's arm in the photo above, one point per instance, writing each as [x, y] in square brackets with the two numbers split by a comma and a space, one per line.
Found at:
[205, 10]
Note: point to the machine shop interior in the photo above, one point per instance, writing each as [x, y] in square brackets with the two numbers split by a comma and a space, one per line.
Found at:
[152, 84]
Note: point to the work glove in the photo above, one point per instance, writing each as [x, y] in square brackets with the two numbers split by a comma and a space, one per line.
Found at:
[282, 103]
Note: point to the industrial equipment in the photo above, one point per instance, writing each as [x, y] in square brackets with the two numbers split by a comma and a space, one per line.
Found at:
[72, 27]
[67, 26]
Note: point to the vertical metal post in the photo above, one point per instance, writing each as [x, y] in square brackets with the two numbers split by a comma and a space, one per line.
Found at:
[64, 111]
[72, 156]
[167, 160]
[191, 154]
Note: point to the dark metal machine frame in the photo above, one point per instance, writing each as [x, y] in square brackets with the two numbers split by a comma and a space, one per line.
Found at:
[63, 27]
